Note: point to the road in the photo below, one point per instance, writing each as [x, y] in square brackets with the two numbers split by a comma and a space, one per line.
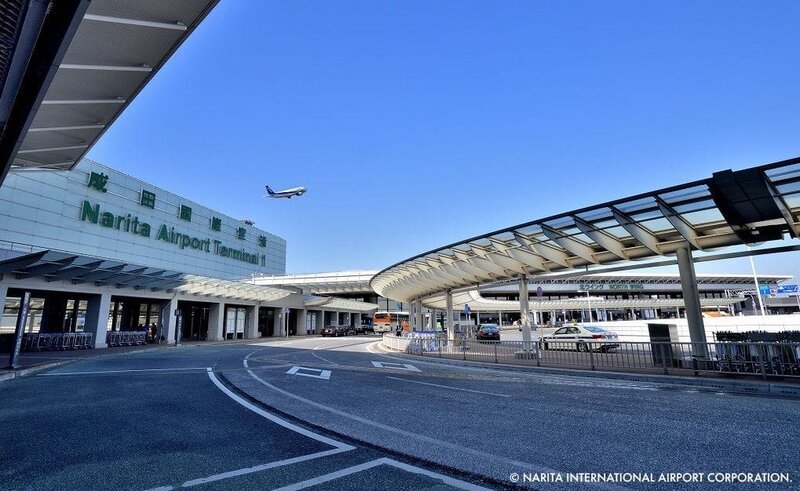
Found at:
[339, 413]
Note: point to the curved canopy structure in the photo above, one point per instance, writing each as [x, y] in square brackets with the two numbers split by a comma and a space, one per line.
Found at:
[479, 303]
[340, 304]
[730, 208]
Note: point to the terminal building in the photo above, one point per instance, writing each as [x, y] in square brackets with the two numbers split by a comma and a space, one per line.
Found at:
[100, 251]
[611, 296]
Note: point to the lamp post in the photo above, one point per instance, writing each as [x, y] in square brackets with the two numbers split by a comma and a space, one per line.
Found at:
[588, 302]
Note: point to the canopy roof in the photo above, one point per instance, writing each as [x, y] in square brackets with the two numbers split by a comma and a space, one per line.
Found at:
[118, 47]
[730, 208]
[478, 303]
[79, 269]
[333, 303]
[322, 283]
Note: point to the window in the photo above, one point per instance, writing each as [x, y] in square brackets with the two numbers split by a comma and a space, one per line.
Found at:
[186, 213]
[148, 199]
[563, 330]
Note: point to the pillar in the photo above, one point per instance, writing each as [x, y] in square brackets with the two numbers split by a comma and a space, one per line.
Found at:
[321, 321]
[300, 322]
[3, 295]
[451, 335]
[691, 299]
[418, 315]
[97, 309]
[22, 317]
[524, 310]
[167, 321]
[251, 323]
[216, 319]
[334, 318]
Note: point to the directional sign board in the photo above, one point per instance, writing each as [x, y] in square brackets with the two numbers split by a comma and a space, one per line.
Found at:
[763, 289]
[787, 288]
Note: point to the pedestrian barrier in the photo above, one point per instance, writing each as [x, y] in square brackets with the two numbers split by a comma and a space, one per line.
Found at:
[126, 338]
[56, 341]
[761, 359]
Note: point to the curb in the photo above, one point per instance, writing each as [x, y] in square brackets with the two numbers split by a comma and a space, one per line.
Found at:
[740, 387]
[24, 372]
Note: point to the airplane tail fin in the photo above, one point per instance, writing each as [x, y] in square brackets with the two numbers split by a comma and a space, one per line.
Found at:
[270, 191]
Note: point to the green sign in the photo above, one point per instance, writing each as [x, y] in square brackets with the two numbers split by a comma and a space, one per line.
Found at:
[131, 224]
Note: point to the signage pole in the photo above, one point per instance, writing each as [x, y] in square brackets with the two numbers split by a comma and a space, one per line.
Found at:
[22, 319]
[758, 288]
[178, 327]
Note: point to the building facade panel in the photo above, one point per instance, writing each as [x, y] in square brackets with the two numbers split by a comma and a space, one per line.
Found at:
[98, 211]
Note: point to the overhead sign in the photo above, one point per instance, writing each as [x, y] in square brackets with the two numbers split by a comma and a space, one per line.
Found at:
[466, 308]
[539, 292]
[787, 289]
[763, 289]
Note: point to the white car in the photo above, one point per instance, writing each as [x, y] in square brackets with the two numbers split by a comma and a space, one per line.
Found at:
[581, 338]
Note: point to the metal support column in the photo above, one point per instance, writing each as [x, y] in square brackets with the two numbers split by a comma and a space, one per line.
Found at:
[451, 334]
[524, 310]
[691, 299]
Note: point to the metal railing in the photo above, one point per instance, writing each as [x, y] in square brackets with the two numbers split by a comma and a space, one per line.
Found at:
[761, 359]
[56, 341]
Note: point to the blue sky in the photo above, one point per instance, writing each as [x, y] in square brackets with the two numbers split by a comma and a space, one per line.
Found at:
[416, 123]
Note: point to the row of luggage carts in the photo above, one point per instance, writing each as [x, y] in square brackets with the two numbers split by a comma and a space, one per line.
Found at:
[57, 341]
[126, 338]
[782, 359]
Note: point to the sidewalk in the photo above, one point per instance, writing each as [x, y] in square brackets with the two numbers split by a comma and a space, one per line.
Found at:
[752, 387]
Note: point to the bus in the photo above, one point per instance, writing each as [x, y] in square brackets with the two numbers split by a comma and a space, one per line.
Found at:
[384, 321]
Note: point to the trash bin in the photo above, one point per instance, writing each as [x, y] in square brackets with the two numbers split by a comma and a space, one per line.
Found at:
[664, 354]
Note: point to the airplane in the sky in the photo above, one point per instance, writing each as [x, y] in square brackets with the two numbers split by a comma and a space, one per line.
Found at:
[286, 193]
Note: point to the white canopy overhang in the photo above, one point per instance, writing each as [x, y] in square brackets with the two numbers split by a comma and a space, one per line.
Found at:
[731, 208]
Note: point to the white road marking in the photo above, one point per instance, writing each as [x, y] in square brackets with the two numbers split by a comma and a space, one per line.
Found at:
[61, 374]
[449, 387]
[414, 436]
[262, 467]
[324, 359]
[275, 419]
[375, 463]
[395, 366]
[322, 374]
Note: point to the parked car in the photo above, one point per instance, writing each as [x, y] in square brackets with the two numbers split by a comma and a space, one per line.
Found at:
[488, 332]
[365, 329]
[335, 331]
[581, 338]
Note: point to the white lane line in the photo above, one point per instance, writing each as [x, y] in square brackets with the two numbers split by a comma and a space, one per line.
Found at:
[449, 387]
[162, 488]
[324, 359]
[61, 374]
[330, 477]
[262, 467]
[275, 419]
[414, 436]
[375, 463]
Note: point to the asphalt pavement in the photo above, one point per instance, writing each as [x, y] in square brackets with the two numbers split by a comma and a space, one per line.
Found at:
[340, 413]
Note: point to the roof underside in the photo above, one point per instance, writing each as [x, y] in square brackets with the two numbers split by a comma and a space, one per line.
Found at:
[118, 47]
[478, 303]
[78, 269]
[730, 208]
